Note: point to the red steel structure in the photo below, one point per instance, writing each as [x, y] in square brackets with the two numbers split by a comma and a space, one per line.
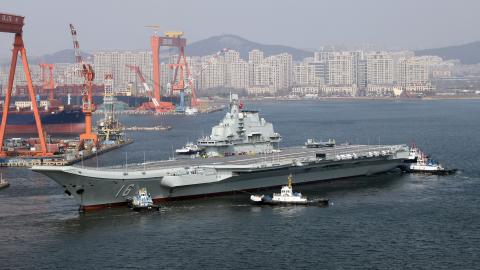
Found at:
[14, 24]
[180, 84]
[155, 104]
[86, 71]
[48, 83]
[138, 72]
[76, 45]
[171, 39]
[87, 105]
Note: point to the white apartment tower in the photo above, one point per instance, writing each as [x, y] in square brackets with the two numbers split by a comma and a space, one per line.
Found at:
[238, 76]
[115, 63]
[304, 74]
[340, 69]
[256, 57]
[413, 70]
[379, 68]
[281, 73]
[213, 75]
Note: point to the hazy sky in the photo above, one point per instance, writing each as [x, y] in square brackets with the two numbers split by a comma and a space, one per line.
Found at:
[109, 24]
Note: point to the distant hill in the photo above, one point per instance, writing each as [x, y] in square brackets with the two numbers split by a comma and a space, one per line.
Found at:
[467, 53]
[216, 43]
[63, 56]
[199, 48]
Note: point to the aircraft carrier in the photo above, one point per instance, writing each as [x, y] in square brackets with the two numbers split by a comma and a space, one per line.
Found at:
[235, 165]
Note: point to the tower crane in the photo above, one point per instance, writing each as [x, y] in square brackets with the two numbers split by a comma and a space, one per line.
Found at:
[146, 87]
[157, 105]
[87, 72]
[76, 47]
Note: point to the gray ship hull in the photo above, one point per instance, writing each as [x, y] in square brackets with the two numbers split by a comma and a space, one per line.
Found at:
[94, 188]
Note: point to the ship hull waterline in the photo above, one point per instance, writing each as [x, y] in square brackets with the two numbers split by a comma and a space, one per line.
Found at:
[93, 193]
[57, 129]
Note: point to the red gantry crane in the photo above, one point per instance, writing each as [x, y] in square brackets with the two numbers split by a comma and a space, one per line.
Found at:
[14, 24]
[171, 39]
[86, 71]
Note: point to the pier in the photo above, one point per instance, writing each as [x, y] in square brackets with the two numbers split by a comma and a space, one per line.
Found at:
[155, 128]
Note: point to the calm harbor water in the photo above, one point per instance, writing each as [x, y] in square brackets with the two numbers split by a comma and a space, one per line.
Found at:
[388, 221]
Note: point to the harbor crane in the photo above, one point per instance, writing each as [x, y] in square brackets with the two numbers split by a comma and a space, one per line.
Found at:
[88, 107]
[170, 39]
[146, 87]
[14, 24]
[155, 104]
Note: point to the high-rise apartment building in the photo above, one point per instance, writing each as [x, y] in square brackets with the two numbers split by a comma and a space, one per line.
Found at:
[379, 68]
[256, 57]
[281, 70]
[261, 75]
[213, 75]
[115, 63]
[304, 74]
[238, 76]
[340, 69]
[413, 70]
[396, 57]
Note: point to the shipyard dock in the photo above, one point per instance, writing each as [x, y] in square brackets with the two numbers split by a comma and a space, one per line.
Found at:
[155, 128]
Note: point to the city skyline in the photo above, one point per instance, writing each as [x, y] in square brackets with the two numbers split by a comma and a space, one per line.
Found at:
[337, 73]
[397, 25]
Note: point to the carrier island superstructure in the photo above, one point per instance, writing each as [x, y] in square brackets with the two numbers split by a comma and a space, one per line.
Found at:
[243, 155]
[241, 132]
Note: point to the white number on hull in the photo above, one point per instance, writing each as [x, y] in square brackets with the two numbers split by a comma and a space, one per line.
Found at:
[126, 190]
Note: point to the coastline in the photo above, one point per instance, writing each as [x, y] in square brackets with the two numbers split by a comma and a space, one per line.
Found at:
[430, 98]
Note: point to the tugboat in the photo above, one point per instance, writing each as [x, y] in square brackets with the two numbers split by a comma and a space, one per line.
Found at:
[189, 149]
[421, 163]
[143, 201]
[312, 143]
[3, 182]
[287, 197]
[191, 111]
[413, 154]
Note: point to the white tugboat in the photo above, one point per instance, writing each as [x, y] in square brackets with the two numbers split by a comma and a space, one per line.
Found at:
[286, 197]
[422, 164]
[189, 149]
[143, 201]
[191, 111]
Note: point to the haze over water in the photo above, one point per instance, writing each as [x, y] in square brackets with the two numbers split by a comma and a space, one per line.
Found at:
[387, 221]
